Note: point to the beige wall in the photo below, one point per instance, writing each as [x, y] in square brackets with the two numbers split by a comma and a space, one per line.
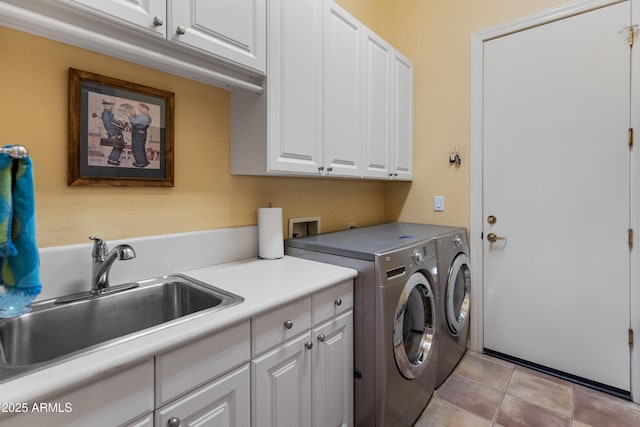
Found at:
[33, 111]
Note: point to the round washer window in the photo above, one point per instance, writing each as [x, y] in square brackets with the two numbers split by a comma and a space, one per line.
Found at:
[414, 328]
[458, 294]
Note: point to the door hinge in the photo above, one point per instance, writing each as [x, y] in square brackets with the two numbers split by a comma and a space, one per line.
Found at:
[630, 238]
[630, 337]
[631, 33]
[630, 138]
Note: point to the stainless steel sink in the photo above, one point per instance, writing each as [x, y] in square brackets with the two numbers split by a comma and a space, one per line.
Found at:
[53, 332]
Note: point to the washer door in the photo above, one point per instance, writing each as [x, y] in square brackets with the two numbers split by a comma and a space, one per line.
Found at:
[458, 293]
[414, 327]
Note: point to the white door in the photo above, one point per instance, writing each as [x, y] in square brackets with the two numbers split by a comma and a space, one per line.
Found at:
[556, 178]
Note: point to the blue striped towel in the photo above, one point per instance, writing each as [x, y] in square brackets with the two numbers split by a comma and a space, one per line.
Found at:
[19, 259]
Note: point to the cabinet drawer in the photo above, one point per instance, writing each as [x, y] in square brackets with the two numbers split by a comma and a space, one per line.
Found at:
[277, 326]
[185, 368]
[332, 301]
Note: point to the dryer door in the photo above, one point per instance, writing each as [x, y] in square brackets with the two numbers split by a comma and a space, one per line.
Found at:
[414, 328]
[457, 294]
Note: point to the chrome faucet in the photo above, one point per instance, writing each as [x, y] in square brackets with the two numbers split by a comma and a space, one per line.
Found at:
[103, 259]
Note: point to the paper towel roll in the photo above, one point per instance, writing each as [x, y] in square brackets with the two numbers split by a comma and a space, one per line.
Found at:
[270, 240]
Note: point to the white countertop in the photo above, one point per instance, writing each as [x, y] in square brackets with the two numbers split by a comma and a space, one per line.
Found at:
[264, 284]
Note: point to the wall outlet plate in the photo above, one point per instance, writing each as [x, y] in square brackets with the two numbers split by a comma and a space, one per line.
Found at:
[438, 203]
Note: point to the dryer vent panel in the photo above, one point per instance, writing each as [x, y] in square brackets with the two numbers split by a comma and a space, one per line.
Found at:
[300, 227]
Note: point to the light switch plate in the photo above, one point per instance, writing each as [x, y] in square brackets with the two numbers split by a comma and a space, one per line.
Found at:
[438, 203]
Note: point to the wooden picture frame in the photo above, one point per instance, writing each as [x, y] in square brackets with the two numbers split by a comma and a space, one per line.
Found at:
[120, 133]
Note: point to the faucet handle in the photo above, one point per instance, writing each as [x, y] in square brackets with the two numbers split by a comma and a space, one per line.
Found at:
[100, 248]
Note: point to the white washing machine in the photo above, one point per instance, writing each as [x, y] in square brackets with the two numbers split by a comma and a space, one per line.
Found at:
[395, 315]
[454, 291]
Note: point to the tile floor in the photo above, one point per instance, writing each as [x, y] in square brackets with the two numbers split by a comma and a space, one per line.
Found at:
[485, 391]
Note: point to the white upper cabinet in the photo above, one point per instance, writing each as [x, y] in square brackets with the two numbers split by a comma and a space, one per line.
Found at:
[338, 100]
[342, 92]
[388, 110]
[402, 117]
[145, 15]
[294, 86]
[221, 42]
[233, 29]
[377, 106]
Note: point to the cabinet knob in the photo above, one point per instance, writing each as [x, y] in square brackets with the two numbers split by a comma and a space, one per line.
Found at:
[288, 324]
[321, 337]
[308, 345]
[181, 30]
[158, 21]
[338, 301]
[173, 422]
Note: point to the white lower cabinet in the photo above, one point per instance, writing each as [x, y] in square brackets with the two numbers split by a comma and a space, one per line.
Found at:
[306, 380]
[291, 366]
[332, 376]
[281, 385]
[206, 382]
[123, 398]
[221, 403]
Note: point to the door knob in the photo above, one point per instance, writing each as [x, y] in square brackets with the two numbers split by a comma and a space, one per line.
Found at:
[493, 237]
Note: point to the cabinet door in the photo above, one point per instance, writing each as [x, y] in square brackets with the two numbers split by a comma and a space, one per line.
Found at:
[223, 402]
[342, 93]
[403, 116]
[294, 86]
[234, 30]
[148, 16]
[281, 386]
[377, 106]
[333, 372]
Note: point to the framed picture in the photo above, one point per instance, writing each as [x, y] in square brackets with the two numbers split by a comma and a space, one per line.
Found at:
[120, 133]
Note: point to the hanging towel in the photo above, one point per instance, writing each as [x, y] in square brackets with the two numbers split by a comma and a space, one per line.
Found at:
[19, 259]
